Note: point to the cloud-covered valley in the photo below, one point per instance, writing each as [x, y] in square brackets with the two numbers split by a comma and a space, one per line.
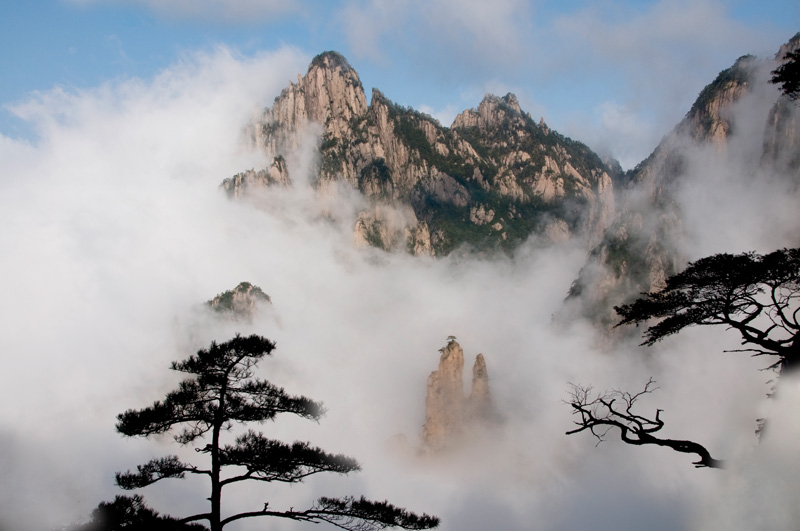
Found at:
[115, 232]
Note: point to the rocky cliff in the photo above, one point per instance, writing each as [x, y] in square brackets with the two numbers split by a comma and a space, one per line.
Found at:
[782, 133]
[495, 178]
[490, 180]
[643, 245]
[449, 415]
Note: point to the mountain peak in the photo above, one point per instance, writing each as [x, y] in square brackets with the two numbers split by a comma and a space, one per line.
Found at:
[791, 46]
[509, 100]
[330, 59]
[489, 181]
[492, 113]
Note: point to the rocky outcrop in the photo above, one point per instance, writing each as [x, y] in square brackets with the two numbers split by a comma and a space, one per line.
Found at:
[444, 400]
[493, 159]
[277, 174]
[240, 303]
[449, 415]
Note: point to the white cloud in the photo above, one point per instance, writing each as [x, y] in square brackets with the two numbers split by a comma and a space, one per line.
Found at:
[241, 11]
[439, 32]
[656, 58]
[616, 130]
[445, 115]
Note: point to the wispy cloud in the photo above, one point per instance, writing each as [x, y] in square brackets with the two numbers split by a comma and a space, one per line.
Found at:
[239, 11]
[484, 33]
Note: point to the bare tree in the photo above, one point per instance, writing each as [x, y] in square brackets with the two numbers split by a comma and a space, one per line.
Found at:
[602, 412]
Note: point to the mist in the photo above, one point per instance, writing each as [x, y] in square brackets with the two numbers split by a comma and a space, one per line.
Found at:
[115, 232]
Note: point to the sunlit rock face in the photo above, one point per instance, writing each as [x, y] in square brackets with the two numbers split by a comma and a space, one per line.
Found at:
[444, 401]
[450, 416]
[488, 182]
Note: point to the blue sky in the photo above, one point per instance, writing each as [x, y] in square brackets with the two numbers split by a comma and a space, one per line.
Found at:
[614, 74]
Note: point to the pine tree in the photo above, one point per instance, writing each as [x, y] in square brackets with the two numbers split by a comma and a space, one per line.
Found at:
[756, 295]
[221, 391]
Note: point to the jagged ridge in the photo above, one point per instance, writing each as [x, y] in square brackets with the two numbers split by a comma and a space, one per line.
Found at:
[490, 180]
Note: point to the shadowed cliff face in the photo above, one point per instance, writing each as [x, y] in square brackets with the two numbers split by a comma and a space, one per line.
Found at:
[490, 181]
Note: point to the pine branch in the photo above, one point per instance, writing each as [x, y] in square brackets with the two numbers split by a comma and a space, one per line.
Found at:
[155, 470]
[271, 460]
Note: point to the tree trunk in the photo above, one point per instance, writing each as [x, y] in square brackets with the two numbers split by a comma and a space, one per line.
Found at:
[216, 490]
[791, 357]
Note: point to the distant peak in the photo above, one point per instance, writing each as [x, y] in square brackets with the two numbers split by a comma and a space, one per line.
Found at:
[330, 59]
[509, 101]
[240, 302]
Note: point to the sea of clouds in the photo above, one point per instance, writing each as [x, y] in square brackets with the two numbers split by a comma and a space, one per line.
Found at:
[114, 232]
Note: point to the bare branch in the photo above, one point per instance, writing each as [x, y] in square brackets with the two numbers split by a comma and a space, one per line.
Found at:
[597, 411]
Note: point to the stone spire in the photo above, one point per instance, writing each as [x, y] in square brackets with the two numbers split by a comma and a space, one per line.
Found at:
[448, 413]
[444, 403]
[479, 406]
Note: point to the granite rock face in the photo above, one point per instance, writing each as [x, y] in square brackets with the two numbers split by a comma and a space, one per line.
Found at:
[449, 414]
[444, 400]
[489, 181]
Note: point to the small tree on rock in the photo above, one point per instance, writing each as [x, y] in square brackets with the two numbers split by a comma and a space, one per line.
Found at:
[222, 391]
